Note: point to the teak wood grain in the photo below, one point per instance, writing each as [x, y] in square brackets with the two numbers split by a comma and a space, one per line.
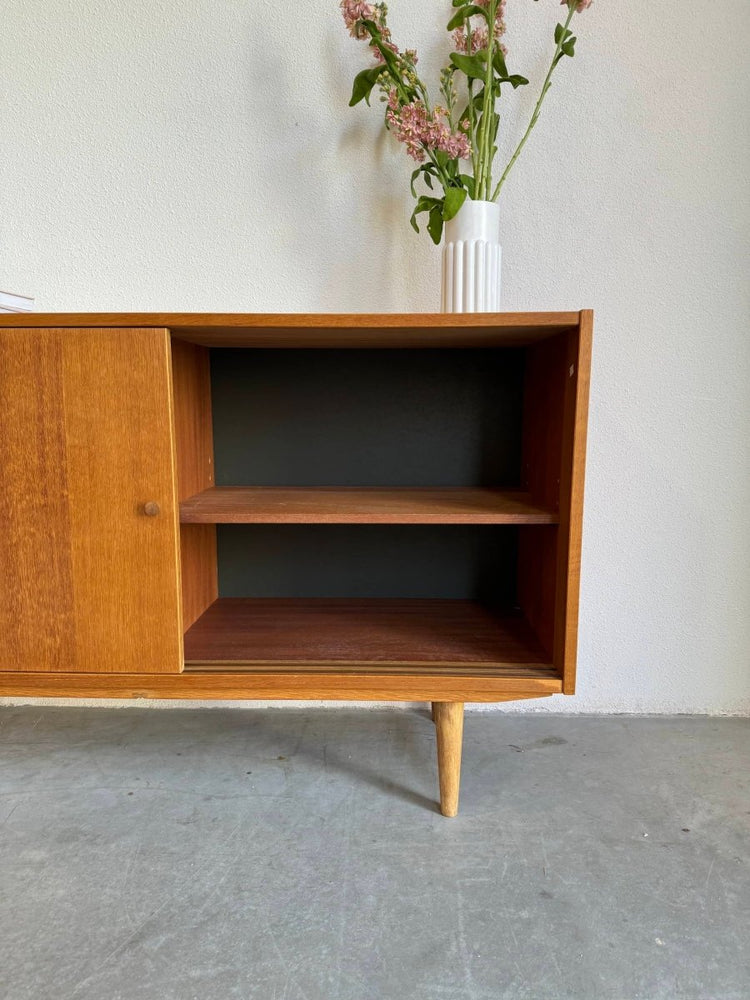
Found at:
[42, 624]
[544, 392]
[89, 582]
[103, 424]
[402, 633]
[573, 466]
[330, 330]
[191, 386]
[37, 621]
[327, 685]
[362, 505]
[449, 728]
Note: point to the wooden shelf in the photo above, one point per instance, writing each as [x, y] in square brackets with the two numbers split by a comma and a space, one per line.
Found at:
[362, 505]
[350, 634]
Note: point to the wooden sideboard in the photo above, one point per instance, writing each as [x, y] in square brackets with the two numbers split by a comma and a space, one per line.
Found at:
[351, 507]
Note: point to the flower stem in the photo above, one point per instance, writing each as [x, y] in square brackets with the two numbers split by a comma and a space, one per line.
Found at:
[484, 184]
[545, 87]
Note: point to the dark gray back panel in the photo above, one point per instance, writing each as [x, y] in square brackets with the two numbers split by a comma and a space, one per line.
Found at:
[289, 560]
[367, 417]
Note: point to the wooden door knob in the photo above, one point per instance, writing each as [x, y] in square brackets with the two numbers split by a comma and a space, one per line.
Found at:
[151, 508]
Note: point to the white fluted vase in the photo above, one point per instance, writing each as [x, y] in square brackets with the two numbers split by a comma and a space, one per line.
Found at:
[472, 258]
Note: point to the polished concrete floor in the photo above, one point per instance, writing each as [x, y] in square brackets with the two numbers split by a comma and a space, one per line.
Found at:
[298, 855]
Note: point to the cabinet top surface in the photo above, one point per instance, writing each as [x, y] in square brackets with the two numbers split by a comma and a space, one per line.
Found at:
[322, 329]
[191, 321]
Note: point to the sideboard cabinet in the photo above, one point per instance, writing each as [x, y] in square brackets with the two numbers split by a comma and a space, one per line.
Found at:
[350, 507]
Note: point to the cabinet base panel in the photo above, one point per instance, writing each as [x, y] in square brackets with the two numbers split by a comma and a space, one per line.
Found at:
[272, 686]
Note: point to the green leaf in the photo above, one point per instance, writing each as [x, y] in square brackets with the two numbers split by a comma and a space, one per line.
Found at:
[427, 169]
[472, 66]
[569, 47]
[468, 182]
[377, 43]
[363, 84]
[454, 199]
[460, 3]
[561, 32]
[461, 16]
[457, 20]
[498, 61]
[390, 59]
[435, 225]
[495, 126]
[515, 81]
[424, 204]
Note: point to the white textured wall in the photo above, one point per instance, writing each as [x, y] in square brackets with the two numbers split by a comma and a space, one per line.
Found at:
[199, 155]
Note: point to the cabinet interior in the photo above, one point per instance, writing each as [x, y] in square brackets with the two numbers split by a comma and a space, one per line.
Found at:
[371, 506]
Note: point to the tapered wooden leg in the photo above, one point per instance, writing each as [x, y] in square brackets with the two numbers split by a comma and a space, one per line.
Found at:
[449, 725]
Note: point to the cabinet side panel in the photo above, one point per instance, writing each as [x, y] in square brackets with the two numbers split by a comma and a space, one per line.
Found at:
[575, 419]
[537, 580]
[119, 452]
[37, 629]
[544, 395]
[191, 380]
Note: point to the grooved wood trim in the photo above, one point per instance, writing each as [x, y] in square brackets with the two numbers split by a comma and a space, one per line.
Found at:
[512, 672]
[326, 686]
[362, 505]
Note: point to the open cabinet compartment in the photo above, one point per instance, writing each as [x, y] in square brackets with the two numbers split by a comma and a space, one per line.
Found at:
[402, 509]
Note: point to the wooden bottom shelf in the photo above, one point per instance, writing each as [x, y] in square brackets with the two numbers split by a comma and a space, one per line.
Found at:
[333, 650]
[397, 636]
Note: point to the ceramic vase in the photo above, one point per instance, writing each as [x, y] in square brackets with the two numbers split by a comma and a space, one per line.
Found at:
[471, 259]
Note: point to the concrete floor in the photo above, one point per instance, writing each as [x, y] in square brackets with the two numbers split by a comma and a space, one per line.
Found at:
[284, 855]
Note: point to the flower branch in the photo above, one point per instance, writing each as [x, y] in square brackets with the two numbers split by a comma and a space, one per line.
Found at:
[438, 138]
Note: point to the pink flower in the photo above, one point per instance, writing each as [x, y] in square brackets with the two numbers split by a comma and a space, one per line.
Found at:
[479, 32]
[479, 38]
[353, 12]
[499, 13]
[581, 5]
[419, 130]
